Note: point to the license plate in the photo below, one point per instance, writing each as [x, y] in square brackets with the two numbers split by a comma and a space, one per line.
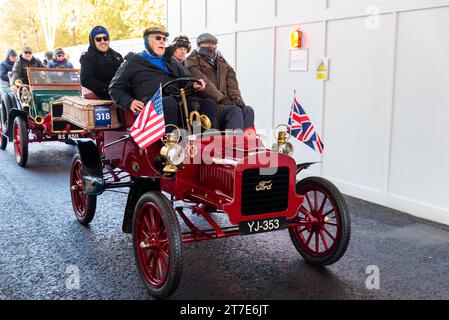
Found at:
[262, 225]
[102, 117]
[66, 136]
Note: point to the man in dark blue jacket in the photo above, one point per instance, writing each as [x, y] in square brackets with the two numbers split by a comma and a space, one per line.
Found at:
[6, 66]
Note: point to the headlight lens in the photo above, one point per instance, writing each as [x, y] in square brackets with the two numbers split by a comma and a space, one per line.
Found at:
[175, 155]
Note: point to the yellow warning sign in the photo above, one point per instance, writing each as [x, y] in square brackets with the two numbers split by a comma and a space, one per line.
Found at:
[322, 68]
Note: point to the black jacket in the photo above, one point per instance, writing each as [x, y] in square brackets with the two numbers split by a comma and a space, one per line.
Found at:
[137, 78]
[98, 69]
[19, 70]
[6, 67]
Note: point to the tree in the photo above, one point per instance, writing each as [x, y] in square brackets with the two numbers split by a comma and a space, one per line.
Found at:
[26, 23]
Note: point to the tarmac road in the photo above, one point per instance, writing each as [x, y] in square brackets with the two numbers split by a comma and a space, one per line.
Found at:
[41, 242]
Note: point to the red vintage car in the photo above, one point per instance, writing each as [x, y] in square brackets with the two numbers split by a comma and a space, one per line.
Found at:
[231, 174]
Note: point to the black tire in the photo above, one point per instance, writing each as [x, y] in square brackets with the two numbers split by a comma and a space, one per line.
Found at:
[84, 206]
[9, 101]
[341, 223]
[3, 139]
[156, 201]
[20, 132]
[3, 128]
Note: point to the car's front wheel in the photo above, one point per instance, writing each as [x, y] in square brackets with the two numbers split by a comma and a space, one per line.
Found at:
[157, 244]
[83, 205]
[20, 139]
[323, 234]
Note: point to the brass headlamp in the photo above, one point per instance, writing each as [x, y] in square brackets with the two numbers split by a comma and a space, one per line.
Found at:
[172, 152]
[283, 135]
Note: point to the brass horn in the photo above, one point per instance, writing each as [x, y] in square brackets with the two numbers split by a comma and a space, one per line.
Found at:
[39, 120]
[195, 116]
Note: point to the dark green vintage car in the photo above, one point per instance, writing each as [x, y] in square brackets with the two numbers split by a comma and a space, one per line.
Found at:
[33, 113]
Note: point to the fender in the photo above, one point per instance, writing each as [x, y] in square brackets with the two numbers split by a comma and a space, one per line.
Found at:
[12, 115]
[302, 166]
[138, 187]
[92, 167]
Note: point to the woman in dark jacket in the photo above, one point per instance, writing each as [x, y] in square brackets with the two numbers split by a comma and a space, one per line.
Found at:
[99, 63]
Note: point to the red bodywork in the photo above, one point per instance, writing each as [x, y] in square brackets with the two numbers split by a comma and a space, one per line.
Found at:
[212, 183]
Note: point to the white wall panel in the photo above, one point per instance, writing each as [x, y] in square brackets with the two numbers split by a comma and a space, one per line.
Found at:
[252, 10]
[193, 17]
[289, 7]
[358, 102]
[255, 73]
[342, 3]
[420, 149]
[308, 88]
[220, 14]
[174, 17]
[226, 45]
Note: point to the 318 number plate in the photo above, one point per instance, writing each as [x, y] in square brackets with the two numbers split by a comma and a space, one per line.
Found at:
[102, 117]
[263, 225]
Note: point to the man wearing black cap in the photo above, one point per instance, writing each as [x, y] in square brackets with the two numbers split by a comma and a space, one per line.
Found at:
[60, 60]
[6, 66]
[141, 75]
[99, 63]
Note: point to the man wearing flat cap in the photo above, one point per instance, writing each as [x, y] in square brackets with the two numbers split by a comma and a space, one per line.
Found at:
[141, 75]
[26, 60]
[207, 62]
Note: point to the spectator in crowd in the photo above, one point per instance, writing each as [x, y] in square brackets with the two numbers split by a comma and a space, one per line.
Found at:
[6, 66]
[141, 75]
[48, 56]
[179, 48]
[207, 63]
[99, 63]
[60, 61]
[26, 60]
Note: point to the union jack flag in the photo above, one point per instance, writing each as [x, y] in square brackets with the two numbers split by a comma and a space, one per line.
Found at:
[149, 125]
[303, 129]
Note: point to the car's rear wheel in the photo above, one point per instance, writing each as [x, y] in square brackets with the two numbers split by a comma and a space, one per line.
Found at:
[83, 205]
[157, 244]
[323, 234]
[20, 139]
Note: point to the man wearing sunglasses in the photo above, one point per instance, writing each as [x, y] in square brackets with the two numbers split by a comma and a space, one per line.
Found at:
[99, 63]
[26, 60]
[60, 61]
[141, 75]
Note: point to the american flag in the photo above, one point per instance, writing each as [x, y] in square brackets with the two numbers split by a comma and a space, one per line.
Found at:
[303, 129]
[149, 125]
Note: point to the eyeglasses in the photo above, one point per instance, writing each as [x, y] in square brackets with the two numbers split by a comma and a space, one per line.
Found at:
[105, 38]
[159, 38]
[27, 52]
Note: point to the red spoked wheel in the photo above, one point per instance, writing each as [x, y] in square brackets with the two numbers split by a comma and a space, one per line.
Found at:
[20, 139]
[157, 244]
[83, 205]
[323, 234]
